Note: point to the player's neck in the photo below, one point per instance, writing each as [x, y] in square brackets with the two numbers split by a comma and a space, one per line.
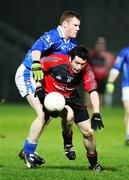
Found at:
[64, 32]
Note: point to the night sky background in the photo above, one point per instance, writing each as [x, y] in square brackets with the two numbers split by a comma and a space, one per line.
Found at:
[109, 18]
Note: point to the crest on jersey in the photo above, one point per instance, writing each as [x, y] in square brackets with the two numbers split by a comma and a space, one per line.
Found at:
[47, 38]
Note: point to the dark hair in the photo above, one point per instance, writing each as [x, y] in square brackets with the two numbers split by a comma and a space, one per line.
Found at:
[80, 51]
[68, 14]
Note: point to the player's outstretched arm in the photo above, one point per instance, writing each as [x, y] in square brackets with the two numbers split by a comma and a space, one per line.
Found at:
[111, 79]
[96, 120]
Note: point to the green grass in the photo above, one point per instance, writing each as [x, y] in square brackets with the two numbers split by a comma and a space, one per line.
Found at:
[15, 121]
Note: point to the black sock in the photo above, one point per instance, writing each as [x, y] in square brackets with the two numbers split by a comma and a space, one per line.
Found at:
[92, 158]
[67, 138]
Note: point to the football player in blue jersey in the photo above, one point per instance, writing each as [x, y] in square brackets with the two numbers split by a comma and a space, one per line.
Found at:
[121, 66]
[56, 41]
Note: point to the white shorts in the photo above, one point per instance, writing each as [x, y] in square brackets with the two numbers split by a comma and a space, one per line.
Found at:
[24, 81]
[125, 93]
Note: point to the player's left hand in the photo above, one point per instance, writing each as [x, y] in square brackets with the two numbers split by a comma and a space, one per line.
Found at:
[37, 71]
[96, 121]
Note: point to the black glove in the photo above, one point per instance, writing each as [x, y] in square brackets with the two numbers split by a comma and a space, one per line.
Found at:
[40, 94]
[96, 121]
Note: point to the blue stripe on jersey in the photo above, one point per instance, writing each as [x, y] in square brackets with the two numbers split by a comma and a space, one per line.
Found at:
[28, 83]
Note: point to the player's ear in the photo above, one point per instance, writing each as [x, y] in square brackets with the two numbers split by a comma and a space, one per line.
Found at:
[65, 24]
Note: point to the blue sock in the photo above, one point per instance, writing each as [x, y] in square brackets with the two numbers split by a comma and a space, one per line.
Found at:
[29, 148]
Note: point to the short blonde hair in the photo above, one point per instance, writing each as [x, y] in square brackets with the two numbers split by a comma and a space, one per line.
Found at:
[68, 14]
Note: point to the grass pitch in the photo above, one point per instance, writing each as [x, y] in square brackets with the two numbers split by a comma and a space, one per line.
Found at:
[15, 121]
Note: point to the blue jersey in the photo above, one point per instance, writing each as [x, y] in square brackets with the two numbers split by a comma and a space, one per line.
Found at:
[122, 65]
[52, 42]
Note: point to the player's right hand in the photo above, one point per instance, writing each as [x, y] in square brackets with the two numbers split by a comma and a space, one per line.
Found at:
[37, 71]
[110, 88]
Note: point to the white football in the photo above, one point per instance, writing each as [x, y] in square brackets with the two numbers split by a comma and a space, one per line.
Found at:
[54, 101]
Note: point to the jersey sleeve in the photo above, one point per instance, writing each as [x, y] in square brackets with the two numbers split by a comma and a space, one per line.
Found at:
[89, 81]
[52, 60]
[121, 58]
[45, 41]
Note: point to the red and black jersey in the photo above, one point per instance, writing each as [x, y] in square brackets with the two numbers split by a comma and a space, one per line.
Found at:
[59, 77]
[101, 63]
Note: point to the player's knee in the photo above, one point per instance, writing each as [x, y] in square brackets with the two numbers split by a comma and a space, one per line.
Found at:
[70, 120]
[39, 111]
[69, 114]
[88, 133]
[41, 115]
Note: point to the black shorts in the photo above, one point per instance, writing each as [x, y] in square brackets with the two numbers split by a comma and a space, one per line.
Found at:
[76, 103]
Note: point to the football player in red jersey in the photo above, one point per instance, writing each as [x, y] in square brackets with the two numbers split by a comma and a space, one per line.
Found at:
[64, 74]
[101, 61]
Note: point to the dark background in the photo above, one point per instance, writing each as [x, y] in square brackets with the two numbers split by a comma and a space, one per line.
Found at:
[21, 22]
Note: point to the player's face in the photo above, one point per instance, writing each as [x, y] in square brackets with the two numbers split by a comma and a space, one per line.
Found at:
[77, 64]
[100, 47]
[73, 26]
